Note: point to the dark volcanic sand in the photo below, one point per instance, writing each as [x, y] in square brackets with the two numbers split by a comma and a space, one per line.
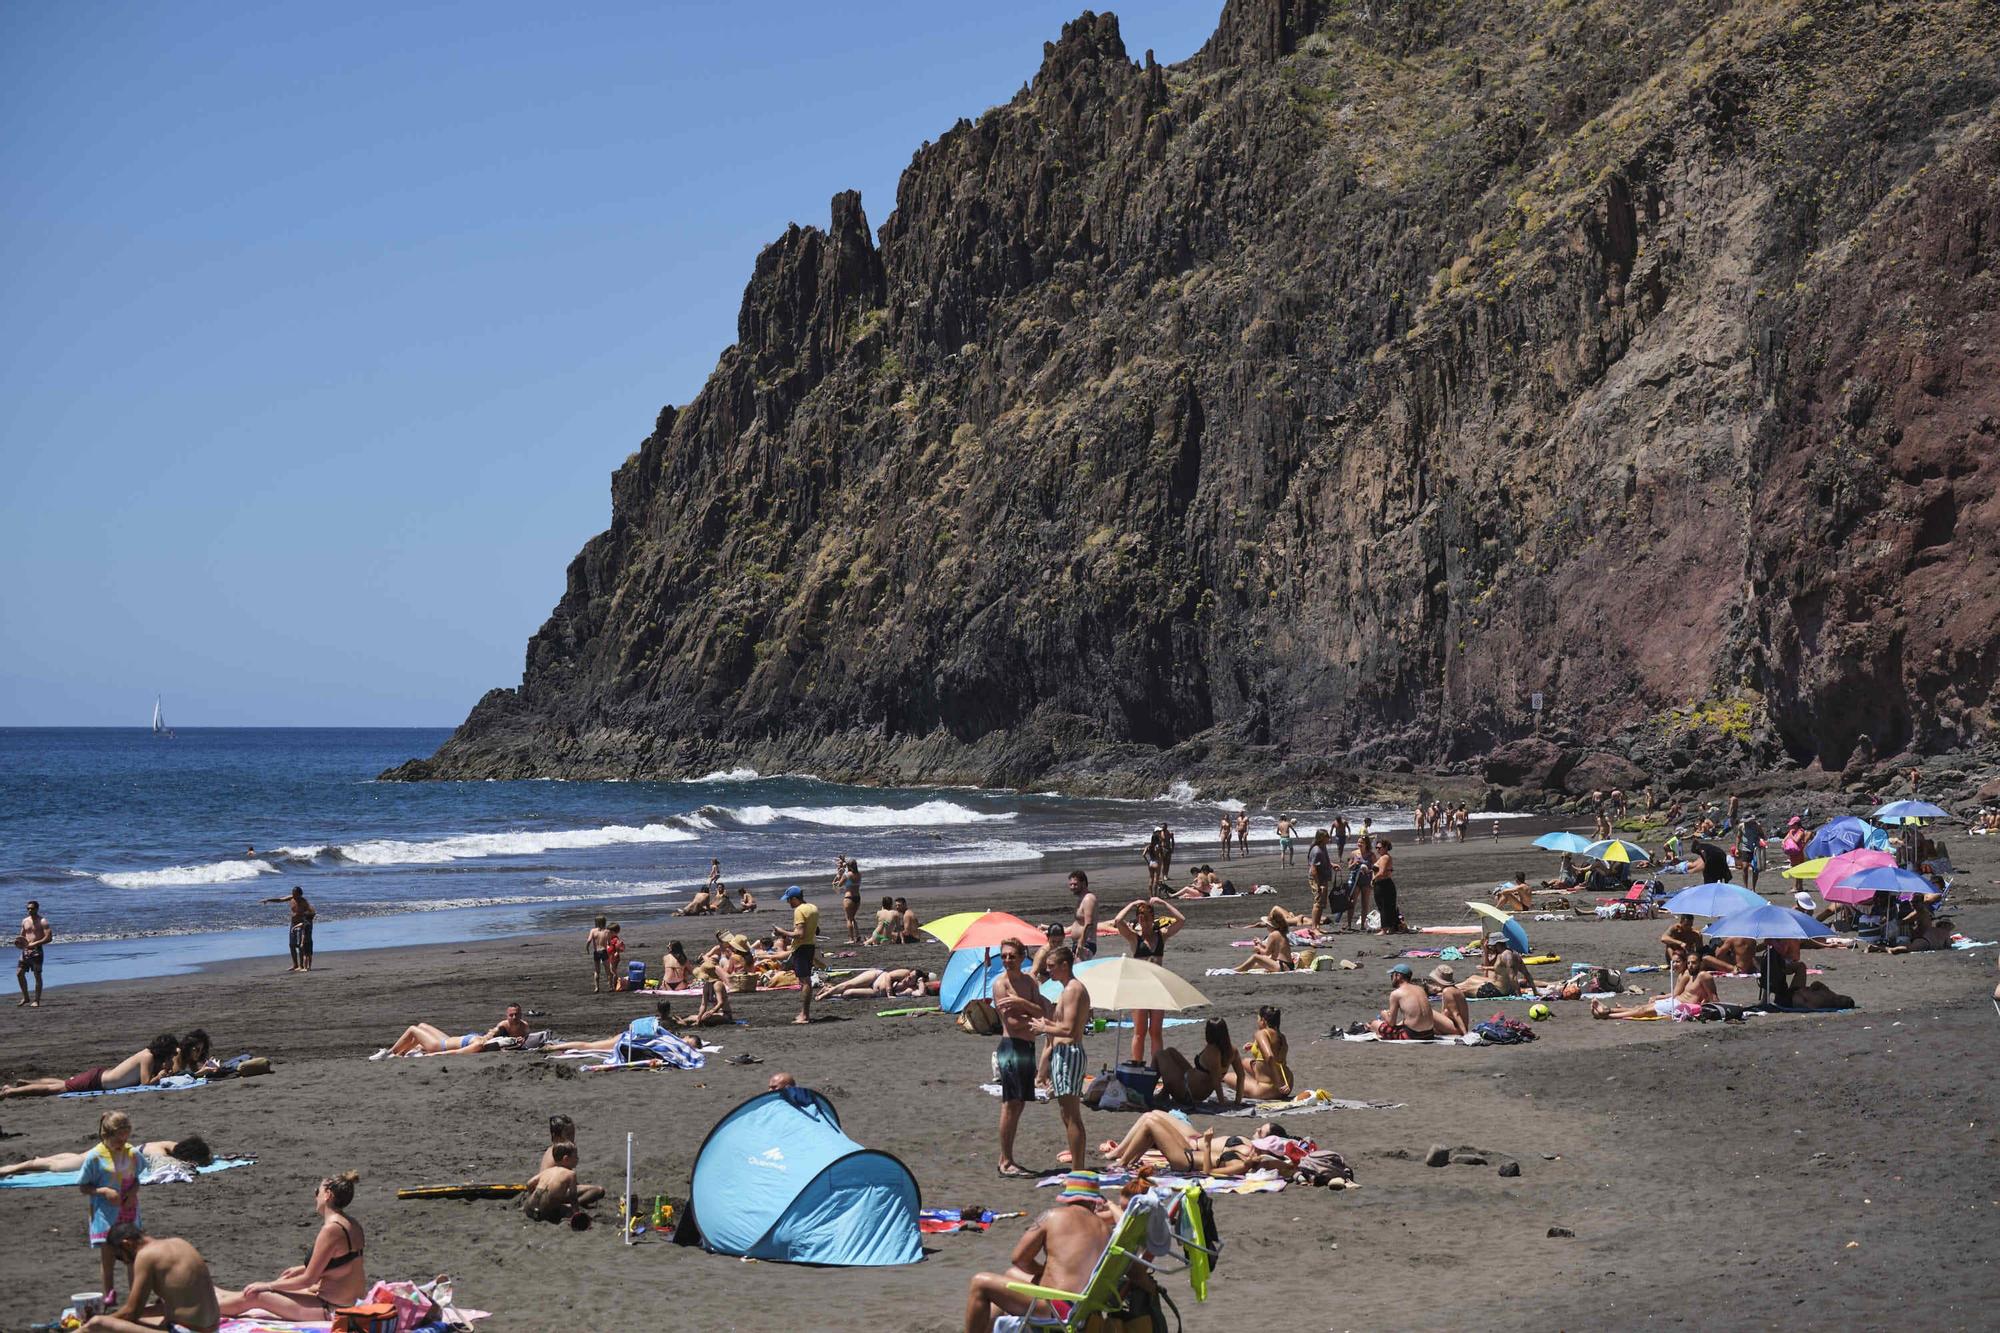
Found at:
[1713, 1177]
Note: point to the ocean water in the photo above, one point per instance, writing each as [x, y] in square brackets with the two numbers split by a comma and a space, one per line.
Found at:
[152, 855]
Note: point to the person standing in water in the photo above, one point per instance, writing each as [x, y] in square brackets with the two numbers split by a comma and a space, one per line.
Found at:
[34, 935]
[301, 935]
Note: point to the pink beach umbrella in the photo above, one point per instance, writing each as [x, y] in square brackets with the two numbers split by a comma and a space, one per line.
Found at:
[1844, 865]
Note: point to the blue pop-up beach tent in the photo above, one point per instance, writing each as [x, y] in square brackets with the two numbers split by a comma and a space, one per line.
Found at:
[777, 1179]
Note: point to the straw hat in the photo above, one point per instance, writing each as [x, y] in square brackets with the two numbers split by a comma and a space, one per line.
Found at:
[1443, 975]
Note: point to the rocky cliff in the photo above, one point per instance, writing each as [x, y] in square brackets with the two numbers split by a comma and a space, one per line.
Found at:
[1315, 401]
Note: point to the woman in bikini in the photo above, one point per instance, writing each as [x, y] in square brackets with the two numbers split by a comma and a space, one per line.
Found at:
[882, 981]
[1266, 1076]
[674, 967]
[1196, 1152]
[1192, 1082]
[850, 897]
[1273, 953]
[193, 1150]
[1146, 925]
[331, 1276]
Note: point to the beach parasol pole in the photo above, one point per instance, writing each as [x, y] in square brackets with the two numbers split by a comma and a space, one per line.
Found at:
[629, 1209]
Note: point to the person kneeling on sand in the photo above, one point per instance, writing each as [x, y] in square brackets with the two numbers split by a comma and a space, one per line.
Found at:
[1060, 1250]
[1410, 1016]
[428, 1039]
[171, 1286]
[137, 1070]
[553, 1192]
[331, 1276]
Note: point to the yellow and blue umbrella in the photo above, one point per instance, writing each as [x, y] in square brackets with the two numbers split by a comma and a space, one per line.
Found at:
[1617, 849]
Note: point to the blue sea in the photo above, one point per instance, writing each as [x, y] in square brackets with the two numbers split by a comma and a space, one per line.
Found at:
[151, 855]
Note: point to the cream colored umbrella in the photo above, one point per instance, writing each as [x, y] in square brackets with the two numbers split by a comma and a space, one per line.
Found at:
[1135, 983]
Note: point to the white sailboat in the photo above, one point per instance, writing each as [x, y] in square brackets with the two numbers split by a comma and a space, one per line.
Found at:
[160, 727]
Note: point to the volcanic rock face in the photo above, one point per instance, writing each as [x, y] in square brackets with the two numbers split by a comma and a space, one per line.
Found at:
[1324, 396]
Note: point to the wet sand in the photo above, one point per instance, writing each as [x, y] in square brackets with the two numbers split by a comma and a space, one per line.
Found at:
[1834, 1170]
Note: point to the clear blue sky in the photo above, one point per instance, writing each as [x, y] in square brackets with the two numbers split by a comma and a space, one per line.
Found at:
[323, 326]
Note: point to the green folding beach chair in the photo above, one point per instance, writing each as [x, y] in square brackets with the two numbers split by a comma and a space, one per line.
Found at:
[1100, 1295]
[1191, 1232]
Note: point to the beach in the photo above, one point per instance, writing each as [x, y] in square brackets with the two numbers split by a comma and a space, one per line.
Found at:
[1837, 1169]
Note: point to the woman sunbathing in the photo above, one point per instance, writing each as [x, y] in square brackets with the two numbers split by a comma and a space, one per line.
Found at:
[702, 904]
[878, 981]
[1192, 1082]
[1692, 990]
[1266, 1074]
[674, 967]
[330, 1277]
[137, 1070]
[193, 1150]
[1273, 953]
[1198, 1152]
[428, 1039]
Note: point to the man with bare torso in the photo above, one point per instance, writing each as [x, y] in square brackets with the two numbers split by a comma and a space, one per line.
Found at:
[171, 1286]
[1083, 932]
[34, 936]
[1064, 1029]
[1060, 1251]
[1409, 1016]
[1018, 1003]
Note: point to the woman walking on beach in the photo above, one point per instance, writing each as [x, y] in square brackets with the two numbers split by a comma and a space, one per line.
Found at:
[332, 1274]
[850, 897]
[1146, 925]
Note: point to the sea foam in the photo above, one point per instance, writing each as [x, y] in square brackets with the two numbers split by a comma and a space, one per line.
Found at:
[930, 814]
[215, 872]
[527, 842]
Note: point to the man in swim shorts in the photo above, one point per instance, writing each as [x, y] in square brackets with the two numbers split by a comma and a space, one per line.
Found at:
[1064, 1028]
[300, 938]
[1409, 1016]
[804, 938]
[171, 1286]
[1018, 1003]
[35, 935]
[1083, 931]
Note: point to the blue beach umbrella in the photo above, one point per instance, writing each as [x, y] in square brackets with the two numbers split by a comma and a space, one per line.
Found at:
[1562, 841]
[969, 976]
[1890, 879]
[1910, 812]
[1767, 921]
[1844, 835]
[1715, 899]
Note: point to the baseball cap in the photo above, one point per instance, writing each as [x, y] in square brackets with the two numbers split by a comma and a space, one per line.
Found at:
[1401, 970]
[793, 892]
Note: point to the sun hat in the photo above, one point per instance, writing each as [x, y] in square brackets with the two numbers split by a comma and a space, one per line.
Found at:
[1401, 970]
[1080, 1187]
[793, 892]
[1443, 975]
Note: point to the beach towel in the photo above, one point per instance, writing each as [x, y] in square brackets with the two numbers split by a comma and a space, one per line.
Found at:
[152, 1174]
[1434, 1041]
[1960, 942]
[1447, 930]
[171, 1083]
[1306, 1103]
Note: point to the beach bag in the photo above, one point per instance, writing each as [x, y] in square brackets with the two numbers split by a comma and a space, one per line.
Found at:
[1321, 1166]
[371, 1317]
[1504, 1031]
[980, 1018]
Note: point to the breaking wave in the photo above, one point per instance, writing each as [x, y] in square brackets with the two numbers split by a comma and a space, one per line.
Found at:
[930, 814]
